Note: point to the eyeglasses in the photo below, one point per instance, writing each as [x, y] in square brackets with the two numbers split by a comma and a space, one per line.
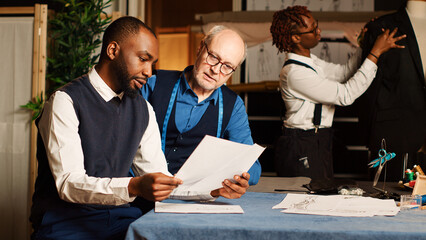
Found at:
[212, 60]
[314, 30]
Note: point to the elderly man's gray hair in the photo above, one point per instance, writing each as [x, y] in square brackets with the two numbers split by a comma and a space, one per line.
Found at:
[216, 30]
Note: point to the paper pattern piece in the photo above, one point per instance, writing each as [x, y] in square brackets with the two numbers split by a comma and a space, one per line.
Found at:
[215, 160]
[338, 205]
[161, 207]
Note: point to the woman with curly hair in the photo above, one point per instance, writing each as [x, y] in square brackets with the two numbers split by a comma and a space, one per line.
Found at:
[311, 87]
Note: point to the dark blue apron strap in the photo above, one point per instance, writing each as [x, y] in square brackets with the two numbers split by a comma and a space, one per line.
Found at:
[166, 121]
[220, 117]
[169, 111]
[167, 117]
[170, 108]
[131, 173]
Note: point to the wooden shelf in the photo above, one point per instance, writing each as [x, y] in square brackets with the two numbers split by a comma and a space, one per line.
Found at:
[266, 16]
[16, 10]
[264, 86]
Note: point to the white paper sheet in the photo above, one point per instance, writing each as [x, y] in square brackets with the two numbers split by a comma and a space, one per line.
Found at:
[161, 207]
[337, 205]
[215, 160]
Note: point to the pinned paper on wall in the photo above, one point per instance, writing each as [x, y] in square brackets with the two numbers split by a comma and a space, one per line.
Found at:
[321, 5]
[264, 63]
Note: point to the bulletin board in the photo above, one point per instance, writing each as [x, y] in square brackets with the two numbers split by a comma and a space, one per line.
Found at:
[338, 42]
[340, 21]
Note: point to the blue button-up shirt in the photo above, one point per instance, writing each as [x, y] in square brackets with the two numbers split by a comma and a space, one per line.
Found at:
[190, 112]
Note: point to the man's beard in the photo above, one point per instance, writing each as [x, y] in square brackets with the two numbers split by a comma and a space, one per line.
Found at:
[124, 80]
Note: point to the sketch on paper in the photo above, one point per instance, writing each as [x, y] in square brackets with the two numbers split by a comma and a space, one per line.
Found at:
[335, 52]
[267, 8]
[264, 64]
[337, 205]
[319, 5]
[325, 52]
[282, 6]
[357, 5]
[304, 204]
[336, 5]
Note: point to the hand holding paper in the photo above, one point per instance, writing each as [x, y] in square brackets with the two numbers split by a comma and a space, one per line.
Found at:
[215, 160]
[233, 190]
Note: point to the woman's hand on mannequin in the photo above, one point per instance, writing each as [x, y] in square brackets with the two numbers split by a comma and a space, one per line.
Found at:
[383, 43]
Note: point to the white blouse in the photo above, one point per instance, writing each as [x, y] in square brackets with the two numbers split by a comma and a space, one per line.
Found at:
[332, 84]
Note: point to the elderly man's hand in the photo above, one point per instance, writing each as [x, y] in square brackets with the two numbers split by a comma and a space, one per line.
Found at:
[233, 190]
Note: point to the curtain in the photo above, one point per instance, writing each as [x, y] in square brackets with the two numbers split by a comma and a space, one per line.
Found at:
[16, 37]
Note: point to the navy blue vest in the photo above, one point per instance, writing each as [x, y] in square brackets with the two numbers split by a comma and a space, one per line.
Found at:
[180, 145]
[110, 134]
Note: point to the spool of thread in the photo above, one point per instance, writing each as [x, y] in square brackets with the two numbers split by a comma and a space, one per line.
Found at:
[418, 169]
[409, 175]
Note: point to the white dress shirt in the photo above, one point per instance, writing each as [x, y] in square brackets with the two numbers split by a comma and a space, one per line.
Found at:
[59, 126]
[332, 84]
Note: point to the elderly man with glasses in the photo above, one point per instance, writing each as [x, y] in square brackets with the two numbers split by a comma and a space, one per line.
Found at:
[192, 103]
[311, 87]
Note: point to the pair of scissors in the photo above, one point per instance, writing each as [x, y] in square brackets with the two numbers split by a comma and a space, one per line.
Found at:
[382, 159]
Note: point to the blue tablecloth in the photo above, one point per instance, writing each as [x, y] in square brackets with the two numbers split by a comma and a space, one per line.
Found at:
[260, 221]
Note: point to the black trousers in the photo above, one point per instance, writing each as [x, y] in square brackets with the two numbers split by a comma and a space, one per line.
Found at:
[305, 153]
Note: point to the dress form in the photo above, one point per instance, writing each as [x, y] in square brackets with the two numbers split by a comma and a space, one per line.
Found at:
[417, 13]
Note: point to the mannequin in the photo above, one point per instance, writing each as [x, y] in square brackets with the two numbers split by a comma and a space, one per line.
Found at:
[394, 107]
[416, 10]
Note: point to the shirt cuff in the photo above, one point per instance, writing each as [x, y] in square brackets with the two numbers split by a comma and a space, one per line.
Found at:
[369, 68]
[120, 187]
[369, 65]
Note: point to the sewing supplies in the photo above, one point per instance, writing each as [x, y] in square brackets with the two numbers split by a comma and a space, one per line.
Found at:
[409, 175]
[379, 162]
[418, 169]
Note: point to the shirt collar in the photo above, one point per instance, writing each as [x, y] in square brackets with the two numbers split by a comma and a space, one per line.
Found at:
[300, 58]
[101, 87]
[186, 88]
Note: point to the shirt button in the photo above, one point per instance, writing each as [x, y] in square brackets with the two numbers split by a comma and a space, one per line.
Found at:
[175, 149]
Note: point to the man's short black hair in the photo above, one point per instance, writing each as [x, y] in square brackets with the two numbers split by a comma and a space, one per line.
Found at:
[121, 29]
